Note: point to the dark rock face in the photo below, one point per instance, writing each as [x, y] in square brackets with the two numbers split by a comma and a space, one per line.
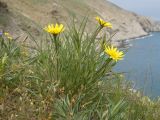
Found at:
[3, 15]
[3, 7]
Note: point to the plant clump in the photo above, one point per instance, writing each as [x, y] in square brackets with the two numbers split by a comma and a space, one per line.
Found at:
[67, 76]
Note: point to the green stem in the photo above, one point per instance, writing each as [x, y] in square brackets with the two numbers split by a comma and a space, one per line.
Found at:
[103, 68]
[96, 33]
[93, 37]
[57, 59]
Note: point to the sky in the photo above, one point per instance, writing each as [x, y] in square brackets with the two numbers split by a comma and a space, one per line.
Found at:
[149, 8]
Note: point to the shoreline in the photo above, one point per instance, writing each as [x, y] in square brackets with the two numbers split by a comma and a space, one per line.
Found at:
[125, 43]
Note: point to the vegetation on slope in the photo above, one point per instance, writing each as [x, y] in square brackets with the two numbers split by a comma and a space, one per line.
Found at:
[67, 76]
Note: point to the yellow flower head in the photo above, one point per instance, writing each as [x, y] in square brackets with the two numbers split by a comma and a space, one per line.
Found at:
[103, 23]
[54, 29]
[9, 37]
[6, 34]
[114, 53]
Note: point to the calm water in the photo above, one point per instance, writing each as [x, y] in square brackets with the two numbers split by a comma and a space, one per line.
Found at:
[142, 64]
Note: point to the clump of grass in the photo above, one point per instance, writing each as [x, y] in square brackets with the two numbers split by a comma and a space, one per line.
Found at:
[67, 76]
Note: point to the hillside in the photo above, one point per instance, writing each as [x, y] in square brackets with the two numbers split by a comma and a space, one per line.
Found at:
[71, 75]
[19, 16]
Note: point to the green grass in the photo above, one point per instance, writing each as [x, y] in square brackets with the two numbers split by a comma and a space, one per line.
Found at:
[39, 1]
[4, 20]
[67, 78]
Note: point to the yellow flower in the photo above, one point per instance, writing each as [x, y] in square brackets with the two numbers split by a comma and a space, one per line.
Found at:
[54, 29]
[6, 34]
[103, 23]
[9, 37]
[114, 53]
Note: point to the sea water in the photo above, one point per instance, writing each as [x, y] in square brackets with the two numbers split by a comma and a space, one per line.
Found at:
[141, 64]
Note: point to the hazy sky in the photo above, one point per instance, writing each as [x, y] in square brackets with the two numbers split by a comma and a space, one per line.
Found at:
[144, 7]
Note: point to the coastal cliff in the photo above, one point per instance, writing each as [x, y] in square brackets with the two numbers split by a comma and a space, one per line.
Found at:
[31, 15]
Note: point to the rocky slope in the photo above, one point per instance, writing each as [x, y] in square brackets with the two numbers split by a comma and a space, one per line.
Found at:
[19, 16]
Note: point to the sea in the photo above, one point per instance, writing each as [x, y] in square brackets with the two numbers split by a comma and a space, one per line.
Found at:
[141, 64]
